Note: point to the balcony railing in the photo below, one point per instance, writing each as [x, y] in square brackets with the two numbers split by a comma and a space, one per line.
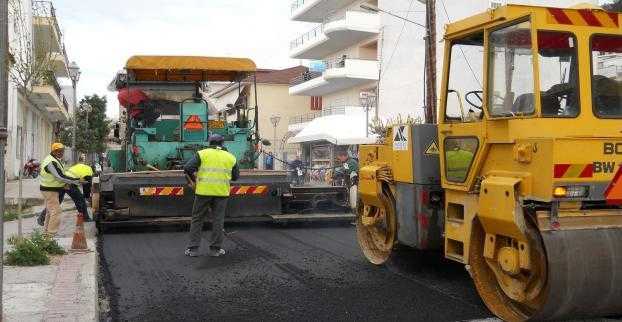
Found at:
[332, 110]
[65, 103]
[337, 62]
[297, 4]
[45, 9]
[307, 37]
[304, 77]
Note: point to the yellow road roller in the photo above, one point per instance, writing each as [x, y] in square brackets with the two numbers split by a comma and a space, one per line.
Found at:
[521, 180]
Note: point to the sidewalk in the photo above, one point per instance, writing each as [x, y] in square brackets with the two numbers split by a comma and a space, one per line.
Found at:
[65, 290]
[30, 192]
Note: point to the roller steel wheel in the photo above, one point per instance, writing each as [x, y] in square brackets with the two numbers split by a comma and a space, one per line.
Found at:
[376, 229]
[510, 292]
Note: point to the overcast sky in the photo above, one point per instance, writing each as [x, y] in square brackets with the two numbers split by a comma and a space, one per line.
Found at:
[101, 35]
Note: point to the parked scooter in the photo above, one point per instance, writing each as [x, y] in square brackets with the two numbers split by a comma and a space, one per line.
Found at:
[31, 169]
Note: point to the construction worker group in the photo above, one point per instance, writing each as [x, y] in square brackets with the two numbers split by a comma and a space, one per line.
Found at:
[56, 181]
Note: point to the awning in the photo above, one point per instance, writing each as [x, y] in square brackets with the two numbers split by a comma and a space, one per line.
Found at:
[189, 68]
[345, 129]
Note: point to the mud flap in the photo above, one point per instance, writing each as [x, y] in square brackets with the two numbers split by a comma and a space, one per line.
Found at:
[584, 273]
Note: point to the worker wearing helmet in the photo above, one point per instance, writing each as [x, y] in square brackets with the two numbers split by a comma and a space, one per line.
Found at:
[52, 182]
[84, 173]
[210, 172]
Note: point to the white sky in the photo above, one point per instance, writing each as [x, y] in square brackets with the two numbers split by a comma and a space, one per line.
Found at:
[101, 35]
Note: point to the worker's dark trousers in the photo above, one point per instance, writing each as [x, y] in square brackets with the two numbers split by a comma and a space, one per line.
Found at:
[215, 208]
[78, 200]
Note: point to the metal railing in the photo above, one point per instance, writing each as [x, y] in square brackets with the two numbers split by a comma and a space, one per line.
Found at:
[45, 9]
[307, 36]
[65, 103]
[297, 4]
[304, 77]
[308, 117]
[337, 62]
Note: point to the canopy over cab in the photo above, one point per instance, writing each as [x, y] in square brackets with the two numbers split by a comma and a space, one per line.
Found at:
[189, 68]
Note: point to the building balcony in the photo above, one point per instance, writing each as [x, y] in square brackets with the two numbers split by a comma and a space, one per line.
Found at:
[335, 33]
[339, 74]
[48, 39]
[47, 95]
[315, 10]
[298, 123]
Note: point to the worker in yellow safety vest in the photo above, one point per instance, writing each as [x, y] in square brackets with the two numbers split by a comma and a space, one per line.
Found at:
[210, 172]
[84, 174]
[52, 183]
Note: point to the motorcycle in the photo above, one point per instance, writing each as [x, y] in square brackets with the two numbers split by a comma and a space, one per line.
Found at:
[32, 168]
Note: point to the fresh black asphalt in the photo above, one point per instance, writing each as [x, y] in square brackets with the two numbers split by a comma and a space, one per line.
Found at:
[274, 273]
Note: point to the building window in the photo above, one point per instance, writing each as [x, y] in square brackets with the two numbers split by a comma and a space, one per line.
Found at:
[316, 103]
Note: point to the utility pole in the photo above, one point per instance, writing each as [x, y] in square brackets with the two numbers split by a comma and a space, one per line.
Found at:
[430, 62]
[4, 109]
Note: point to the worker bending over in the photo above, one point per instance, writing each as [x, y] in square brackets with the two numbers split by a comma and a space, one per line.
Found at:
[52, 183]
[210, 172]
[84, 174]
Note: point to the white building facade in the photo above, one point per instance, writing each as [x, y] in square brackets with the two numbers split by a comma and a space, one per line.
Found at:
[342, 51]
[35, 111]
[401, 50]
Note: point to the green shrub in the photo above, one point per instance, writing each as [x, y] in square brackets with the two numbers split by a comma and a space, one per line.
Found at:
[32, 251]
[26, 253]
[47, 244]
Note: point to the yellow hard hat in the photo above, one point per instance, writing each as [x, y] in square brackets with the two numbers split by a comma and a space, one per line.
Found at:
[57, 146]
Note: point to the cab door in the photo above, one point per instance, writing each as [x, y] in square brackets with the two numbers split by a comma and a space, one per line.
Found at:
[462, 110]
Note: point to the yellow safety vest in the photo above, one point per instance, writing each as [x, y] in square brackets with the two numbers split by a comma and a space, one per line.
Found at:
[79, 171]
[46, 179]
[214, 175]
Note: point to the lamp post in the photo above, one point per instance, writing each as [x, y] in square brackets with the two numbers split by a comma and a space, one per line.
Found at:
[275, 122]
[74, 74]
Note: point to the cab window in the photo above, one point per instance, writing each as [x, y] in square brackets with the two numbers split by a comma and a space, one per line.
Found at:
[559, 74]
[459, 155]
[464, 90]
[511, 71]
[607, 76]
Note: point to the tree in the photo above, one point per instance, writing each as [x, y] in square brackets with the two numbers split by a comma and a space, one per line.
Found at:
[92, 127]
[615, 6]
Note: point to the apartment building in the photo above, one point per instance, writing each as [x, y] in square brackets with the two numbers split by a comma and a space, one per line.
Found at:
[36, 110]
[342, 49]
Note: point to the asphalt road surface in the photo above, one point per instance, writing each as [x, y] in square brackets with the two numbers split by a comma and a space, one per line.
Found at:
[294, 273]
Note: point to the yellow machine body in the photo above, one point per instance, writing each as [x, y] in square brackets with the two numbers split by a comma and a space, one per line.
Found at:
[528, 148]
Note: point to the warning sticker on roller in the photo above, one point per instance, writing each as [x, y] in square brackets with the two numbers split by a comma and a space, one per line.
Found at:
[400, 138]
[432, 149]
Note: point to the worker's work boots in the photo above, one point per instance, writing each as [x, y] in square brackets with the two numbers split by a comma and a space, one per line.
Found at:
[216, 252]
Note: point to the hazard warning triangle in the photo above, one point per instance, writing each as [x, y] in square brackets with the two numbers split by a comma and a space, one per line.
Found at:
[193, 123]
[613, 194]
[432, 149]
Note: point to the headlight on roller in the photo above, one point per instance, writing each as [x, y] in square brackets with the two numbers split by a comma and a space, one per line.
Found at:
[571, 192]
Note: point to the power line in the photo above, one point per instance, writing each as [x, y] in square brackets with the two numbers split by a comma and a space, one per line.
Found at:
[399, 38]
[461, 49]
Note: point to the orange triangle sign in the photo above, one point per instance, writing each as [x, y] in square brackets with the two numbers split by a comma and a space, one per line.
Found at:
[613, 194]
[193, 123]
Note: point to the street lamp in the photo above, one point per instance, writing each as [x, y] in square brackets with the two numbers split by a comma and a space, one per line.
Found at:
[275, 121]
[74, 74]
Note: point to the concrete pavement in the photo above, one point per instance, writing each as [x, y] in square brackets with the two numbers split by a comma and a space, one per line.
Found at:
[65, 290]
